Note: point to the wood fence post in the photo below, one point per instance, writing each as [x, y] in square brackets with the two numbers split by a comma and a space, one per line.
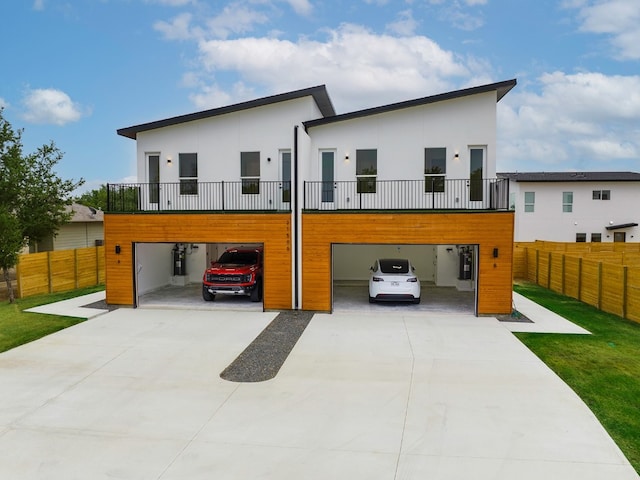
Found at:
[599, 285]
[624, 291]
[537, 266]
[97, 265]
[49, 275]
[580, 278]
[564, 257]
[75, 267]
[549, 258]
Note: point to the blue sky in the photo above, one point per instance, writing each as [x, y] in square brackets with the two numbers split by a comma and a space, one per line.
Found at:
[74, 71]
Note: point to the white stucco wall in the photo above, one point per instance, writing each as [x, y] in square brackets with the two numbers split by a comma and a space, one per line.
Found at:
[219, 140]
[549, 222]
[401, 136]
[352, 262]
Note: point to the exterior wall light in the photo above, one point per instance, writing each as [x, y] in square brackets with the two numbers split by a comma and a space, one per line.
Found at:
[169, 160]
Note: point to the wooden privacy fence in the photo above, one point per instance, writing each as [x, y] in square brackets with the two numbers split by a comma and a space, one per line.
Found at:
[605, 275]
[59, 271]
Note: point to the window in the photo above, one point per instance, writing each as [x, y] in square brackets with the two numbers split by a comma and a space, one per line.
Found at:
[285, 162]
[602, 194]
[567, 201]
[512, 201]
[476, 163]
[250, 172]
[619, 236]
[596, 237]
[529, 201]
[435, 168]
[188, 171]
[366, 170]
[581, 237]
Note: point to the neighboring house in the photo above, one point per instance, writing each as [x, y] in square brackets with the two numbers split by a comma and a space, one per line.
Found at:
[575, 206]
[85, 229]
[324, 194]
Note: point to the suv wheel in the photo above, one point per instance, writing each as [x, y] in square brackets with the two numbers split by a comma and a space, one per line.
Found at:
[207, 295]
[256, 294]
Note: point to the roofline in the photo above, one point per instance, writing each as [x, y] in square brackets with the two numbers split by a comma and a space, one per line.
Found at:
[571, 176]
[502, 88]
[319, 94]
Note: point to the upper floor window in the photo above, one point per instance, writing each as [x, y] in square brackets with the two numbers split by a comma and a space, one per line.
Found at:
[567, 201]
[435, 168]
[250, 172]
[188, 171]
[596, 237]
[602, 194]
[366, 170]
[581, 237]
[529, 201]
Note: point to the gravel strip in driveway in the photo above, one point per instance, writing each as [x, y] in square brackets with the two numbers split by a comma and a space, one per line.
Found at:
[264, 357]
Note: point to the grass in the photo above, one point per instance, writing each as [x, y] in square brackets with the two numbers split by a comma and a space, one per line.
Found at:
[602, 368]
[18, 327]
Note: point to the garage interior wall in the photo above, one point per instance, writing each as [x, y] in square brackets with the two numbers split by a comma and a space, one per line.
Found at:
[352, 262]
[154, 264]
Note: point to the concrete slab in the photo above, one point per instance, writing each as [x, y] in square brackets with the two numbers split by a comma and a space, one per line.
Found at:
[137, 394]
[74, 307]
[544, 321]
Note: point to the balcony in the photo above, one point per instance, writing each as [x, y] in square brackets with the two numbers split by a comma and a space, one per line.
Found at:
[431, 193]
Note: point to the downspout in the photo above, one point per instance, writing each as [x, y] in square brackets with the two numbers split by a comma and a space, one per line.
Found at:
[295, 218]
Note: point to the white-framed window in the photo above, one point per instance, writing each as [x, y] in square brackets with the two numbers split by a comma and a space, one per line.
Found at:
[188, 172]
[435, 169]
[366, 170]
[602, 194]
[250, 172]
[529, 201]
[567, 201]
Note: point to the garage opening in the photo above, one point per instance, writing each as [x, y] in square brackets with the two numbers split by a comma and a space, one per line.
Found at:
[446, 275]
[171, 275]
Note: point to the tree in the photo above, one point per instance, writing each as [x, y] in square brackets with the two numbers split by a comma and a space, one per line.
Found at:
[96, 198]
[32, 197]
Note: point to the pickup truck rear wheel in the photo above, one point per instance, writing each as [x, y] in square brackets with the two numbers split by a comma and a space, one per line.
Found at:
[207, 295]
[256, 293]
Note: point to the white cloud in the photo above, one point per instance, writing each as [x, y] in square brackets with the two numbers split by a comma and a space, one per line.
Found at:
[38, 5]
[575, 120]
[619, 19]
[3, 103]
[50, 106]
[172, 3]
[362, 69]
[301, 7]
[405, 25]
[233, 19]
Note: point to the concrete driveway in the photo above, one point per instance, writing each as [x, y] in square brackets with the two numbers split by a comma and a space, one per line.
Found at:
[136, 394]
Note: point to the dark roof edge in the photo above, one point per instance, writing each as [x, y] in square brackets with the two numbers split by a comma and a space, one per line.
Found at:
[502, 88]
[319, 94]
[583, 176]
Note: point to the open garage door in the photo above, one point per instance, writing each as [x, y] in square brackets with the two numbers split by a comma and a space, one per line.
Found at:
[446, 275]
[170, 275]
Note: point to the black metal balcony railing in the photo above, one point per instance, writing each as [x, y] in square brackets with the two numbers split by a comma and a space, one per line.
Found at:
[199, 196]
[431, 193]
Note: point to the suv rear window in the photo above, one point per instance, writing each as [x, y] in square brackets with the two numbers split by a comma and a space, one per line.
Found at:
[239, 258]
[394, 266]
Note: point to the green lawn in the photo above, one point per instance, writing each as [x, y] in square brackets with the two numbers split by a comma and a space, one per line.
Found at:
[18, 327]
[602, 368]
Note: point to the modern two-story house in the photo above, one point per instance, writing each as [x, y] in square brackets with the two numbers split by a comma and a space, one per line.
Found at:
[323, 194]
[575, 206]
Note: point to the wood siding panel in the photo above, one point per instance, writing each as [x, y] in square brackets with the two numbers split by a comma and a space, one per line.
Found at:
[272, 230]
[487, 230]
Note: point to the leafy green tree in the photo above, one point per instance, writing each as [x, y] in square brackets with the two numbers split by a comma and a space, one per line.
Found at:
[32, 197]
[96, 198]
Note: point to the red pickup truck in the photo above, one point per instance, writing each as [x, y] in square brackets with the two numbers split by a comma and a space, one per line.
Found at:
[238, 271]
